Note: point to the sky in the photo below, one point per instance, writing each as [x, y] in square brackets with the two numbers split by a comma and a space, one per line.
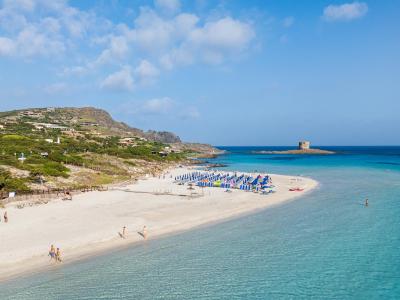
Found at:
[224, 72]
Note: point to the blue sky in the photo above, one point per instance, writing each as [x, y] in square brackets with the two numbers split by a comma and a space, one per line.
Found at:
[222, 72]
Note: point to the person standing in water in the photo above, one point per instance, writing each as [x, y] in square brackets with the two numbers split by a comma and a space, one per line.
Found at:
[366, 202]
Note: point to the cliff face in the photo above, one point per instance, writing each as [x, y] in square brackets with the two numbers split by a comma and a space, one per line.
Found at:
[162, 136]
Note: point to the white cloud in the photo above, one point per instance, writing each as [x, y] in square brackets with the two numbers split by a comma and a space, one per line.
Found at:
[51, 25]
[31, 41]
[119, 81]
[168, 6]
[75, 70]
[288, 22]
[42, 28]
[75, 21]
[182, 40]
[159, 38]
[175, 41]
[117, 50]
[7, 46]
[146, 72]
[55, 88]
[213, 43]
[184, 23]
[151, 33]
[34, 39]
[345, 12]
[24, 5]
[158, 106]
[190, 113]
[225, 33]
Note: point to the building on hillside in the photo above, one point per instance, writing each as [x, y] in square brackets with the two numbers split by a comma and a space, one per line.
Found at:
[31, 113]
[89, 124]
[40, 126]
[128, 141]
[175, 149]
[171, 149]
[10, 120]
[304, 145]
[72, 133]
[140, 138]
[37, 128]
[22, 157]
[50, 141]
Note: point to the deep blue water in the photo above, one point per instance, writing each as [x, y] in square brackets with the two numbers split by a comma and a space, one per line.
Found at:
[326, 245]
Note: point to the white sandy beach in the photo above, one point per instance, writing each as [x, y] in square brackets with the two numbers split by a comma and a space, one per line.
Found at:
[91, 221]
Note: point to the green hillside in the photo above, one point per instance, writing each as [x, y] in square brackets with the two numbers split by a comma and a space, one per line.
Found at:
[71, 147]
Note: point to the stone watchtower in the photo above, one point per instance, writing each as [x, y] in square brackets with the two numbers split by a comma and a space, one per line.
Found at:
[304, 145]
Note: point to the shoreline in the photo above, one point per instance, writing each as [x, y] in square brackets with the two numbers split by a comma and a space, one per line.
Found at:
[171, 214]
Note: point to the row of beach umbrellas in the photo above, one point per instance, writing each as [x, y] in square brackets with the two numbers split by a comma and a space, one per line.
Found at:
[226, 180]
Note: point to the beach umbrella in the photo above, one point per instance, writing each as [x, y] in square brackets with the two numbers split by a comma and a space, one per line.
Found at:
[255, 181]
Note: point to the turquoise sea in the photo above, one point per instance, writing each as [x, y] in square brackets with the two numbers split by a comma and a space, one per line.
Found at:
[325, 245]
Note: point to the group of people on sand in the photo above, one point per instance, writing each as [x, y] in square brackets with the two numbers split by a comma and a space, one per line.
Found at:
[5, 217]
[124, 232]
[55, 254]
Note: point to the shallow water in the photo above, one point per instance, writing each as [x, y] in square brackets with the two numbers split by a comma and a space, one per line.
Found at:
[325, 245]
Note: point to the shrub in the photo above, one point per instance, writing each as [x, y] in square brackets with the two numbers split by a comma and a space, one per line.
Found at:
[8, 183]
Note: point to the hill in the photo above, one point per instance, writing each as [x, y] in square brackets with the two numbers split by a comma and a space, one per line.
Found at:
[88, 119]
[51, 148]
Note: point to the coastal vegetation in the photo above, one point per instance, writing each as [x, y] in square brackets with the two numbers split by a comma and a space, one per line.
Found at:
[53, 148]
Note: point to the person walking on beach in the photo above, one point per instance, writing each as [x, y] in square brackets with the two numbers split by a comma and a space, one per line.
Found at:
[123, 231]
[366, 202]
[58, 255]
[52, 252]
[145, 232]
[5, 217]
